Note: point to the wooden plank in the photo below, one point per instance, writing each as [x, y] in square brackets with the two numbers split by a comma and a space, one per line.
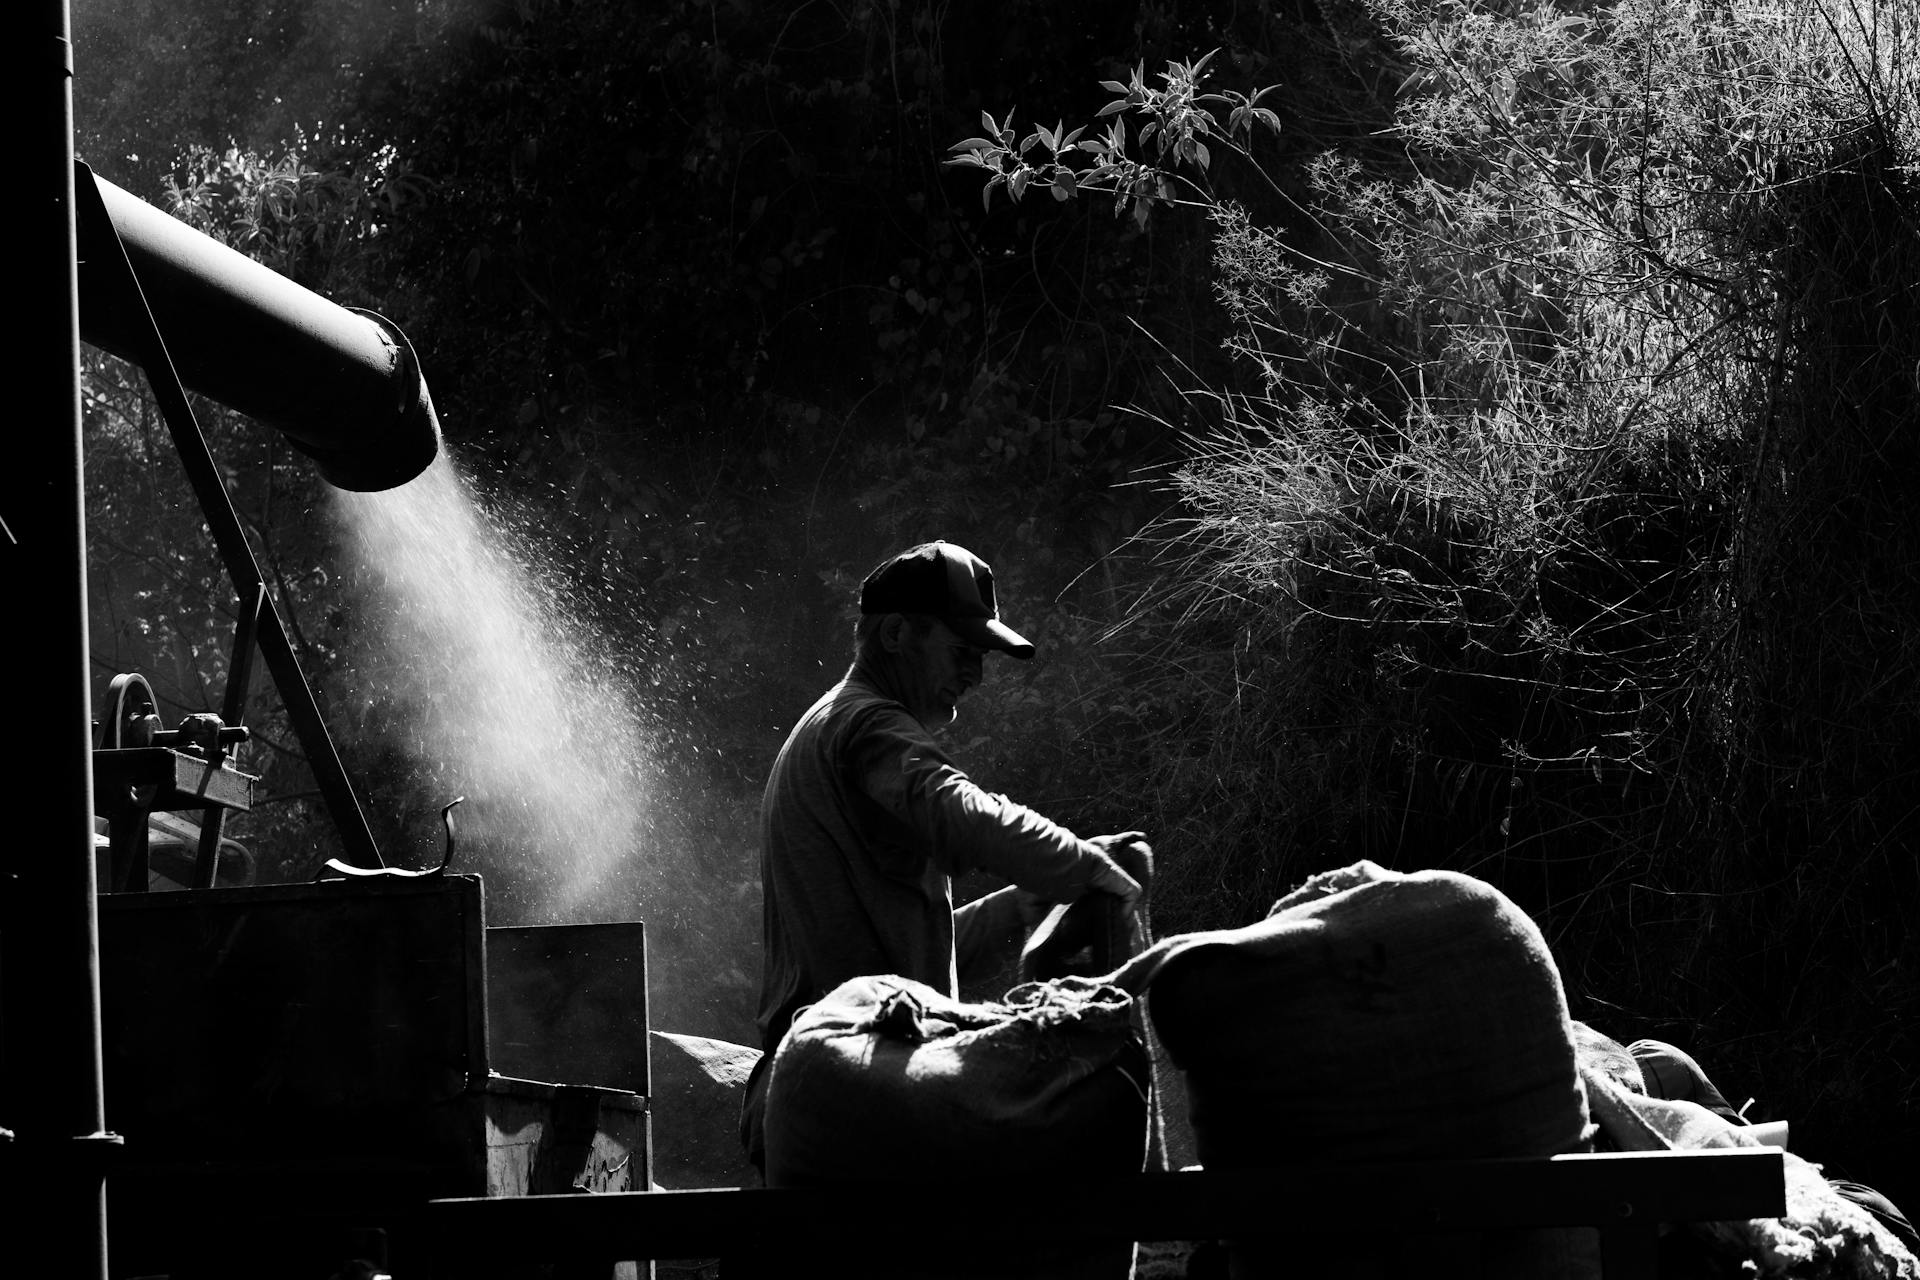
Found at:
[1630, 1251]
[1467, 1195]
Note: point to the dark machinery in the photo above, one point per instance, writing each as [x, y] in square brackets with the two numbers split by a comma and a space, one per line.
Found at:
[140, 769]
[255, 1080]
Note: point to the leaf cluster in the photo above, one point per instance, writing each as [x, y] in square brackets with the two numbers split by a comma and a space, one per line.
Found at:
[1176, 119]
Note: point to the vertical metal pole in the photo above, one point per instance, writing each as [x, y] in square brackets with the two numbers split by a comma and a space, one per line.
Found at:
[51, 1095]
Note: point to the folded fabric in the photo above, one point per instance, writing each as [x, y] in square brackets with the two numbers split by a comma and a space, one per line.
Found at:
[1822, 1235]
[1669, 1071]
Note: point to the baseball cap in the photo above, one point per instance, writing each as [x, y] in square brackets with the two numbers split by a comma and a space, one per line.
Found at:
[949, 582]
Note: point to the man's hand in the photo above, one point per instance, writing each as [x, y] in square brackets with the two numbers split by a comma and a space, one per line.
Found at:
[1136, 840]
[1110, 876]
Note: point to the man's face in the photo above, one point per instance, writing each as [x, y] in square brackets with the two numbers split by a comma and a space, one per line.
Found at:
[937, 668]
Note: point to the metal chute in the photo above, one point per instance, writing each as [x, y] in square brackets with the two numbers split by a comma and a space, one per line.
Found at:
[342, 385]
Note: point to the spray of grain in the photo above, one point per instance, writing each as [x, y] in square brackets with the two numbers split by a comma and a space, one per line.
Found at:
[496, 690]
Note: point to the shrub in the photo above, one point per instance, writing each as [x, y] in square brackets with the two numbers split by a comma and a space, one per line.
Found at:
[1552, 530]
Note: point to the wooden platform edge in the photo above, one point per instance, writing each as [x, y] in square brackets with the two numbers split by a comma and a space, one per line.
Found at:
[1602, 1190]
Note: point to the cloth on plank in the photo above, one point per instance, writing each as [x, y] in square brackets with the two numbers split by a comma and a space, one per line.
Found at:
[1822, 1235]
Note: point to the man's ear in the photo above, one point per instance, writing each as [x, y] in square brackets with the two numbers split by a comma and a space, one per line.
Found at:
[893, 632]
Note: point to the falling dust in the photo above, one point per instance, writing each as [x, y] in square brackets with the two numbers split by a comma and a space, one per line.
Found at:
[495, 689]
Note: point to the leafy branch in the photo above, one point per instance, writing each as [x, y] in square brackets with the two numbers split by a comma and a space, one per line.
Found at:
[1176, 123]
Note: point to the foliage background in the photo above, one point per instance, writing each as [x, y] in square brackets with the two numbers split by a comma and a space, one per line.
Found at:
[1501, 468]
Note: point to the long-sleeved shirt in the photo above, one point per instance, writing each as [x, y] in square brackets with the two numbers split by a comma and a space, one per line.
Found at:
[864, 822]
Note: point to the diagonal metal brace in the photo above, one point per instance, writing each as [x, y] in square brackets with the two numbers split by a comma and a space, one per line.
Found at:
[105, 262]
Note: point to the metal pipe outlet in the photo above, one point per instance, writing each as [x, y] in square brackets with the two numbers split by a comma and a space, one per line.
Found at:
[342, 385]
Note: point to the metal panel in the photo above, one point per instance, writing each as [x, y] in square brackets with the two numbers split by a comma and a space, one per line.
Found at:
[223, 1006]
[569, 1002]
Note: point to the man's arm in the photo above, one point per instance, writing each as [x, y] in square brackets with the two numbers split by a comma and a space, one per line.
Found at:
[964, 826]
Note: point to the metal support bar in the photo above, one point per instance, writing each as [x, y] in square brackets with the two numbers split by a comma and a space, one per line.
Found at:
[131, 843]
[233, 710]
[101, 245]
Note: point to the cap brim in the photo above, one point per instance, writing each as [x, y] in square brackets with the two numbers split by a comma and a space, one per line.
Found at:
[991, 633]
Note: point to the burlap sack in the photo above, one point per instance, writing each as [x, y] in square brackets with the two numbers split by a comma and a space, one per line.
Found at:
[886, 1080]
[1376, 1016]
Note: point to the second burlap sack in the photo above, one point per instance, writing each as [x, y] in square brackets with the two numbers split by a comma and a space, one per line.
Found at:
[1375, 1016]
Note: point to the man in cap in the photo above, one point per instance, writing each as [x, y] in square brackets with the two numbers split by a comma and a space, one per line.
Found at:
[865, 819]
